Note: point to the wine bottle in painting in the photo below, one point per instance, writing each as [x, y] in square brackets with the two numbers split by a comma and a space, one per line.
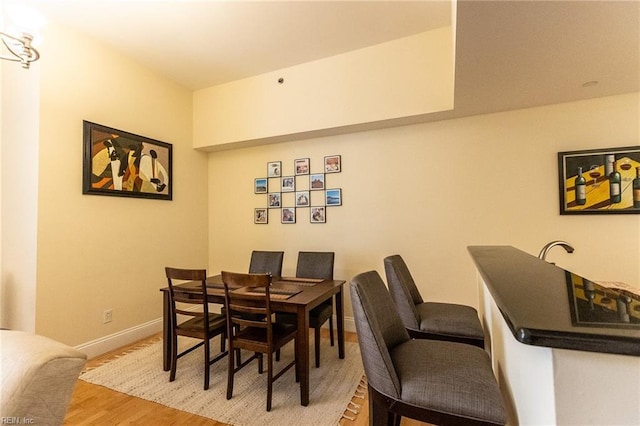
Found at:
[614, 185]
[608, 164]
[636, 190]
[581, 188]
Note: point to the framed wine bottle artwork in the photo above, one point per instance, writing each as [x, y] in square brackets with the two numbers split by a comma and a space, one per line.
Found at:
[600, 181]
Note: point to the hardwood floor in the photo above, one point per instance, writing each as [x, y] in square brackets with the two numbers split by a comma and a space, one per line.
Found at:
[96, 405]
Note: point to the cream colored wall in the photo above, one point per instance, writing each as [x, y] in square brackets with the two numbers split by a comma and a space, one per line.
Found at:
[425, 191]
[428, 191]
[18, 193]
[19, 196]
[97, 252]
[401, 78]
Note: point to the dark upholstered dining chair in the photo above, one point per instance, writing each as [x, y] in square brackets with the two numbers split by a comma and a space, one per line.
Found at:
[315, 264]
[437, 382]
[262, 262]
[200, 325]
[266, 262]
[430, 320]
[250, 327]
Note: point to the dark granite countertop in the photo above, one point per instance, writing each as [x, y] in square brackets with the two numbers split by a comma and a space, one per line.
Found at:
[545, 305]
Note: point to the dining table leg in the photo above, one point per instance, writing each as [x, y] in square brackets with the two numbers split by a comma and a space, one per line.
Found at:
[166, 331]
[340, 321]
[302, 352]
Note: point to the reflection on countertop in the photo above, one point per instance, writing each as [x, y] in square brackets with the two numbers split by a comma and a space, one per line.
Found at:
[596, 305]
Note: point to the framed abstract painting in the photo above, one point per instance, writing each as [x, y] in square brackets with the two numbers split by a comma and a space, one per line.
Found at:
[122, 164]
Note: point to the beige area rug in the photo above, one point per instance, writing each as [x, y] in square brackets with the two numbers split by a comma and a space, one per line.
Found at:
[139, 373]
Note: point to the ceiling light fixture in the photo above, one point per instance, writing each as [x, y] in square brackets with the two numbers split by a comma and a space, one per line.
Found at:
[20, 49]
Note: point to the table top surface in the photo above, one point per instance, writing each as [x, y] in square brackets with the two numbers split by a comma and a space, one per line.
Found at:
[299, 291]
[545, 305]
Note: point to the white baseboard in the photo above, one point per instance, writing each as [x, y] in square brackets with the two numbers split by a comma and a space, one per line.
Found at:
[121, 338]
[114, 341]
[349, 324]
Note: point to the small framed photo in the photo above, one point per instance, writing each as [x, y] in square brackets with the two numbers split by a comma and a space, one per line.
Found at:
[260, 216]
[261, 186]
[301, 166]
[274, 169]
[288, 215]
[318, 215]
[316, 181]
[332, 164]
[288, 184]
[302, 199]
[333, 197]
[274, 200]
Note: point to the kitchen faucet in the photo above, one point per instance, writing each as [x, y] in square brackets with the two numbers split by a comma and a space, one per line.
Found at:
[565, 245]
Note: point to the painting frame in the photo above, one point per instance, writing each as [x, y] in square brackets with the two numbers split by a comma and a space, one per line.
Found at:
[332, 164]
[261, 185]
[274, 169]
[316, 181]
[145, 165]
[318, 214]
[287, 184]
[333, 197]
[274, 200]
[303, 198]
[301, 166]
[288, 215]
[261, 216]
[595, 191]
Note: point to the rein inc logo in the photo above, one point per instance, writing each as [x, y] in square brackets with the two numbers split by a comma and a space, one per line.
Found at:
[17, 421]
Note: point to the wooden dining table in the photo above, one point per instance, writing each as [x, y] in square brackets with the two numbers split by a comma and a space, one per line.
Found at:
[291, 295]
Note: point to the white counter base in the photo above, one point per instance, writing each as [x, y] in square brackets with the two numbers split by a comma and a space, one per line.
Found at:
[549, 386]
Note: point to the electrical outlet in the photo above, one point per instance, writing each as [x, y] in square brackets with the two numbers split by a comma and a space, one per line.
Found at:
[107, 316]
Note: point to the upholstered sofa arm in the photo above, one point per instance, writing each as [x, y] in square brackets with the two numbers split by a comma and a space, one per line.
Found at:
[38, 377]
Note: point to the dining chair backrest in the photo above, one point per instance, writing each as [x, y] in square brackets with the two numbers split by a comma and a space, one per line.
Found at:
[199, 324]
[179, 299]
[315, 264]
[403, 289]
[250, 326]
[248, 310]
[379, 330]
[266, 262]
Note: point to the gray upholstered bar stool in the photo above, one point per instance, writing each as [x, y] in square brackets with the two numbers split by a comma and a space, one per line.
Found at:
[443, 383]
[430, 320]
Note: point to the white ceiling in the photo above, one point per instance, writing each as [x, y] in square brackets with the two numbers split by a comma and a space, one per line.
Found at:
[515, 54]
[509, 54]
[204, 43]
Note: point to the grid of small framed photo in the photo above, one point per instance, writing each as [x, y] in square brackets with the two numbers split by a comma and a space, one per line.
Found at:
[296, 191]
